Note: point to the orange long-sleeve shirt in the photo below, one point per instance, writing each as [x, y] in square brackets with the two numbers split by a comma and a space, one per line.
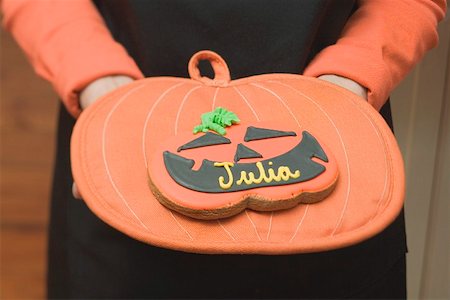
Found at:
[68, 44]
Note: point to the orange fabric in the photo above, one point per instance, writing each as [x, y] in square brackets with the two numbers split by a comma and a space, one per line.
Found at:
[381, 43]
[68, 44]
[121, 138]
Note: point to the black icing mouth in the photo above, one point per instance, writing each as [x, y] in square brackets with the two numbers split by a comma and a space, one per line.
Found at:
[291, 167]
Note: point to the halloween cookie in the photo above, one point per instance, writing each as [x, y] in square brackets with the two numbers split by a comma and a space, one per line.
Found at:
[269, 164]
[260, 168]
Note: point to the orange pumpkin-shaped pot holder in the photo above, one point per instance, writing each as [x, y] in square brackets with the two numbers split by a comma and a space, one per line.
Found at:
[269, 164]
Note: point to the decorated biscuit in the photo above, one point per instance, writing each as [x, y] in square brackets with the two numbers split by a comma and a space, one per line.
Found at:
[260, 168]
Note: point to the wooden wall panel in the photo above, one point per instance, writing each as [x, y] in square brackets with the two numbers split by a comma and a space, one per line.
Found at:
[27, 126]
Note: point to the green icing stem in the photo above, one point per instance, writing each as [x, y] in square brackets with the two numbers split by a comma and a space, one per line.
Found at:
[217, 120]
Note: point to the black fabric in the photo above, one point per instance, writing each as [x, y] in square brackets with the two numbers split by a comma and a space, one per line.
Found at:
[89, 259]
[253, 36]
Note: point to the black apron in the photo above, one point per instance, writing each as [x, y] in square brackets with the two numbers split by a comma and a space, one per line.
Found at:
[89, 259]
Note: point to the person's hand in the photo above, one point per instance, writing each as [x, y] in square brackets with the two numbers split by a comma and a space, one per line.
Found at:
[101, 87]
[94, 91]
[346, 83]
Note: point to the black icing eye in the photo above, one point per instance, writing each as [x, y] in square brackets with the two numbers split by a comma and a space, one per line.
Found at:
[208, 139]
[243, 151]
[255, 133]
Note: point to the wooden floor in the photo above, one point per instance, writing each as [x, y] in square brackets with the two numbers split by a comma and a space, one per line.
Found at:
[27, 124]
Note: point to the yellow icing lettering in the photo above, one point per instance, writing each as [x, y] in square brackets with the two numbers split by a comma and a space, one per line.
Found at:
[262, 173]
[243, 179]
[227, 166]
[251, 177]
[283, 174]
[272, 176]
[295, 175]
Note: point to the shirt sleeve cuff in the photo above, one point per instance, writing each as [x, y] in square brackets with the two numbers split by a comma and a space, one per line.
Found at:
[346, 62]
[68, 44]
[85, 64]
[380, 44]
